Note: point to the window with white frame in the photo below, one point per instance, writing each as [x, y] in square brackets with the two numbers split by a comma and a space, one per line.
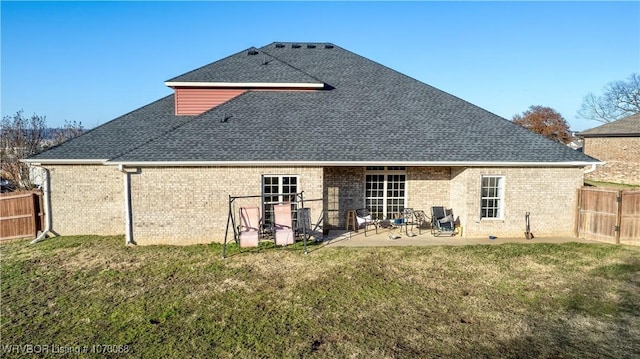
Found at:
[492, 197]
[277, 189]
[385, 191]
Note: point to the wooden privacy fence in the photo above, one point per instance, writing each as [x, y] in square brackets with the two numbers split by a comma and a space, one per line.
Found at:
[20, 215]
[609, 215]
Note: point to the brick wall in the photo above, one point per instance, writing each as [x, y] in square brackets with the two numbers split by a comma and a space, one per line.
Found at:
[87, 200]
[428, 187]
[549, 194]
[183, 205]
[550, 202]
[343, 190]
[190, 205]
[622, 155]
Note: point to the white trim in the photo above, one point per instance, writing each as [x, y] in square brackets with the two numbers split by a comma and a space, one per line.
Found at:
[38, 162]
[501, 187]
[385, 172]
[279, 193]
[245, 84]
[347, 163]
[305, 163]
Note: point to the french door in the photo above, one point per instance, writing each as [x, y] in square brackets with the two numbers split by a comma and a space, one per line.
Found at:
[385, 191]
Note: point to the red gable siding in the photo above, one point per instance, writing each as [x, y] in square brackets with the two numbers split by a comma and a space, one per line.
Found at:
[194, 101]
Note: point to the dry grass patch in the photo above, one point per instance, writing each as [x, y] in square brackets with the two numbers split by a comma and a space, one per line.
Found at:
[510, 300]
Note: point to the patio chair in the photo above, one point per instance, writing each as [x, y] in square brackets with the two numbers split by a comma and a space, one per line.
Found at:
[409, 219]
[282, 224]
[249, 226]
[303, 223]
[442, 222]
[363, 218]
[420, 219]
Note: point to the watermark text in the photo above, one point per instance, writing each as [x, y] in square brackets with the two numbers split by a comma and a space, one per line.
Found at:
[64, 349]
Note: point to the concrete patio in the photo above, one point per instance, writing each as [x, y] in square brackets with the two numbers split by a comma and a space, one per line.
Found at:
[393, 237]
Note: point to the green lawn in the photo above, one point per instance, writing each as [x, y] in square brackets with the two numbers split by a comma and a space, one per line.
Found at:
[509, 300]
[611, 185]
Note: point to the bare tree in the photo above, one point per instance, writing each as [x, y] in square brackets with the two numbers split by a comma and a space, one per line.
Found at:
[619, 99]
[545, 121]
[22, 137]
[69, 131]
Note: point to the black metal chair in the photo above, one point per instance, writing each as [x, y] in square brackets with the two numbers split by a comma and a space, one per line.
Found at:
[420, 219]
[409, 219]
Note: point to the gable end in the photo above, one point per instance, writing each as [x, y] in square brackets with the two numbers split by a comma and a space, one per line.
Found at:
[194, 101]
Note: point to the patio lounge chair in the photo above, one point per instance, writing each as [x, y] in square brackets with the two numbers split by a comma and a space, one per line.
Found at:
[249, 226]
[282, 224]
[442, 222]
[363, 217]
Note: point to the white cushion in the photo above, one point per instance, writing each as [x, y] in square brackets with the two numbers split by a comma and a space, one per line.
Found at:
[447, 219]
[365, 219]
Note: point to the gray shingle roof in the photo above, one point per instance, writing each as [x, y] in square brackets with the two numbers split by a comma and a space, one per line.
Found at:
[120, 135]
[627, 126]
[251, 65]
[369, 113]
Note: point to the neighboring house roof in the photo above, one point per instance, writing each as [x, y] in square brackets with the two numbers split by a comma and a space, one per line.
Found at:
[624, 127]
[366, 113]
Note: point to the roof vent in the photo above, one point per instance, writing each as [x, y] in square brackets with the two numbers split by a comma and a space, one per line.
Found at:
[296, 46]
[311, 46]
[279, 46]
[328, 46]
[252, 52]
[225, 118]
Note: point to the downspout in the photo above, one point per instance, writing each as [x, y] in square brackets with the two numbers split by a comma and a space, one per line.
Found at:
[127, 206]
[47, 207]
[593, 168]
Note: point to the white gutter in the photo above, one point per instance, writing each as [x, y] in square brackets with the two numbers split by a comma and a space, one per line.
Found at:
[347, 163]
[47, 208]
[39, 162]
[246, 84]
[127, 206]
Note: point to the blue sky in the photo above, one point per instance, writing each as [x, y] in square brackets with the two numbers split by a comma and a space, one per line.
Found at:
[94, 61]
